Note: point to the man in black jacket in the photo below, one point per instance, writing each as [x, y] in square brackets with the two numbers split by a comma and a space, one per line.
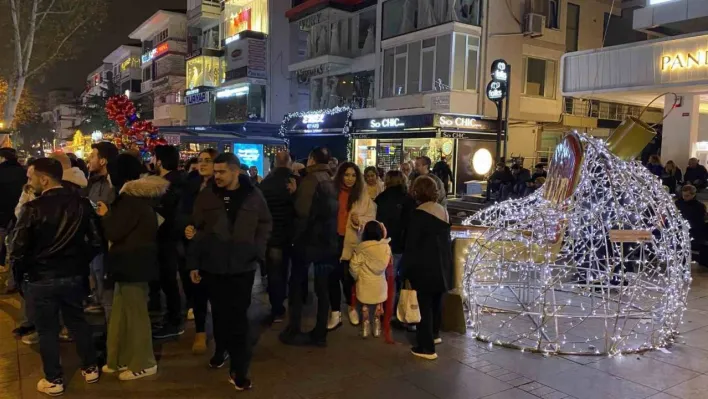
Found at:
[12, 179]
[696, 174]
[166, 164]
[314, 242]
[56, 236]
[278, 189]
[230, 234]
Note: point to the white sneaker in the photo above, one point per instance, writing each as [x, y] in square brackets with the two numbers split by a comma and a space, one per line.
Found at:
[437, 341]
[31, 339]
[55, 388]
[335, 321]
[128, 375]
[190, 314]
[107, 370]
[353, 316]
[91, 374]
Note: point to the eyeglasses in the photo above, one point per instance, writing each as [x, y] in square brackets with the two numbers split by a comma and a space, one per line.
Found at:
[205, 160]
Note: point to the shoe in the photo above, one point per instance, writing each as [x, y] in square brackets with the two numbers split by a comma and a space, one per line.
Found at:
[128, 375]
[218, 360]
[21, 331]
[293, 338]
[91, 374]
[93, 308]
[397, 325]
[313, 340]
[168, 331]
[64, 335]
[200, 344]
[377, 327]
[437, 341]
[31, 339]
[241, 384]
[365, 327]
[107, 370]
[190, 314]
[335, 321]
[423, 354]
[51, 388]
[353, 316]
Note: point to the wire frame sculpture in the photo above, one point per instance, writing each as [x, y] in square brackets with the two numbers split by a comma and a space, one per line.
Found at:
[603, 269]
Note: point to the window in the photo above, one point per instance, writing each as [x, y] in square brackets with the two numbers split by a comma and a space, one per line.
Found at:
[552, 15]
[161, 37]
[399, 70]
[466, 59]
[405, 16]
[147, 73]
[210, 38]
[572, 27]
[387, 86]
[539, 77]
[427, 65]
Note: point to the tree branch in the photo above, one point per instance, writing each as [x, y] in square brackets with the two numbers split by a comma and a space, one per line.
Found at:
[30, 36]
[14, 12]
[44, 14]
[58, 49]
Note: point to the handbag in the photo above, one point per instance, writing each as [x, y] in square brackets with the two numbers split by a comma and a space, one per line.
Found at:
[408, 311]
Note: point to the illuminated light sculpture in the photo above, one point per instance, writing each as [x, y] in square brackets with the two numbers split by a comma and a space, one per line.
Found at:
[595, 262]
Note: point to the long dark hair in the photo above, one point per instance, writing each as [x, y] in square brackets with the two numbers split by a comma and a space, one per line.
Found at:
[358, 188]
[372, 231]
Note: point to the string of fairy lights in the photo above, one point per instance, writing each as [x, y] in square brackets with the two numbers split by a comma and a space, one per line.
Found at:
[547, 277]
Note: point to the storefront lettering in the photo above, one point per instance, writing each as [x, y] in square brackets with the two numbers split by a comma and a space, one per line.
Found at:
[386, 122]
[684, 60]
[312, 121]
[460, 121]
[197, 98]
[159, 50]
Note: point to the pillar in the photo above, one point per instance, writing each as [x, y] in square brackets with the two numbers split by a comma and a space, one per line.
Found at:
[680, 132]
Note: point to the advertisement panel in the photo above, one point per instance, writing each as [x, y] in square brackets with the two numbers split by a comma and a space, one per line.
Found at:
[250, 155]
[248, 54]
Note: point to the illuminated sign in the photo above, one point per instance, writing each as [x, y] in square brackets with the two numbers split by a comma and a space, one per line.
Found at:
[655, 2]
[684, 60]
[233, 92]
[191, 91]
[157, 51]
[313, 120]
[132, 62]
[197, 98]
[499, 71]
[386, 123]
[461, 122]
[496, 91]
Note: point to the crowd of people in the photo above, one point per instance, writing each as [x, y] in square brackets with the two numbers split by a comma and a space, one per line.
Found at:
[514, 182]
[119, 236]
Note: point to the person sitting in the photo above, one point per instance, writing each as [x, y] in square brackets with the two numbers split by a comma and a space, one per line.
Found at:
[671, 177]
[498, 180]
[521, 177]
[696, 175]
[694, 212]
[654, 165]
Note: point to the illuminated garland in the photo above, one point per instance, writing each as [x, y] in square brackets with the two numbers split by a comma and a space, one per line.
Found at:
[586, 294]
[330, 111]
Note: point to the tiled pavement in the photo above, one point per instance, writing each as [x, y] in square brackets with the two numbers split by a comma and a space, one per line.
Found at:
[353, 368]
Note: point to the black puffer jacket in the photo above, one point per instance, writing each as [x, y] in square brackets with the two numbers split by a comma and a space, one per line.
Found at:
[12, 178]
[131, 227]
[281, 204]
[56, 235]
[393, 209]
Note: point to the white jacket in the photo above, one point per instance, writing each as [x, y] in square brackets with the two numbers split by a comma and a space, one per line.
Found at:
[368, 267]
[365, 208]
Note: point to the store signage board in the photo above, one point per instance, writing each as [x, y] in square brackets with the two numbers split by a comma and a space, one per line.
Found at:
[446, 134]
[386, 123]
[499, 71]
[246, 57]
[462, 122]
[318, 122]
[161, 48]
[496, 91]
[197, 98]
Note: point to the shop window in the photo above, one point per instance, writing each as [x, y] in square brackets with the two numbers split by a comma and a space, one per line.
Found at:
[240, 15]
[203, 71]
[405, 16]
[241, 106]
[539, 77]
[572, 27]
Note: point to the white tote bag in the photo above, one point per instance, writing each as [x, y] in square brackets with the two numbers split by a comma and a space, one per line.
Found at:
[408, 311]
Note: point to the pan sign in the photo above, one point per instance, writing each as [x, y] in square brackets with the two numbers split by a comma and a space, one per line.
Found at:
[497, 89]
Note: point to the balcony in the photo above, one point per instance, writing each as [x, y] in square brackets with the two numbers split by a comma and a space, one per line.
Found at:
[203, 12]
[405, 16]
[146, 86]
[355, 91]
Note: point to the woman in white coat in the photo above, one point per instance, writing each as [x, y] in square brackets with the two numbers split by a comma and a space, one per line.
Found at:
[355, 210]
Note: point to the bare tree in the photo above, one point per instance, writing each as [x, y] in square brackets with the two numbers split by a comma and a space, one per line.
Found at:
[41, 32]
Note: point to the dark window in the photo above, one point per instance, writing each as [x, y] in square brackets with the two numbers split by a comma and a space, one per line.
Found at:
[572, 27]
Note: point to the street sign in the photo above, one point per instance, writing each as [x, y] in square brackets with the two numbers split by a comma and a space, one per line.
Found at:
[498, 88]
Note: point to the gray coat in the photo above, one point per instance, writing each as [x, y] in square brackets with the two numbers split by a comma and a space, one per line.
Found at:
[100, 189]
[219, 248]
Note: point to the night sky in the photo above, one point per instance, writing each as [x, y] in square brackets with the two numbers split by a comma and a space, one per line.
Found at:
[124, 16]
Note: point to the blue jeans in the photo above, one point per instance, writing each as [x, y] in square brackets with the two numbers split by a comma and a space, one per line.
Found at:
[103, 294]
[47, 298]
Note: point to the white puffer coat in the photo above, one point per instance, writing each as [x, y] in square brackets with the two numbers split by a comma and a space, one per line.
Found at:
[368, 267]
[365, 208]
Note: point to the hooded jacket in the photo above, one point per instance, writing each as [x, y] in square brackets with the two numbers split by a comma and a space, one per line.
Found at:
[368, 267]
[131, 227]
[427, 257]
[221, 248]
[74, 179]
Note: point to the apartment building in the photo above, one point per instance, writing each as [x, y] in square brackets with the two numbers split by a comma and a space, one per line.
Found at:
[61, 113]
[127, 74]
[163, 39]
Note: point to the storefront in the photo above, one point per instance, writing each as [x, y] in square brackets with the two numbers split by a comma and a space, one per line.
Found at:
[324, 128]
[388, 142]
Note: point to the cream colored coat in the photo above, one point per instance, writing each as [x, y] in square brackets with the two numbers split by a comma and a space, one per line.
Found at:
[368, 267]
[365, 208]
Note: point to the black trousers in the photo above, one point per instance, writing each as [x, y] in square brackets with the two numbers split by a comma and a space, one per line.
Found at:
[197, 299]
[298, 282]
[47, 298]
[230, 297]
[277, 262]
[428, 329]
[168, 260]
[340, 275]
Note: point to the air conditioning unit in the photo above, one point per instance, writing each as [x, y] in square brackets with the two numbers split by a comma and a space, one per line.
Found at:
[534, 24]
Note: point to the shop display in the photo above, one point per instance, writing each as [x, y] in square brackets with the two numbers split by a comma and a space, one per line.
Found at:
[583, 265]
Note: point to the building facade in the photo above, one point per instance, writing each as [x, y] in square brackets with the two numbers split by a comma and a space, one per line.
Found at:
[164, 48]
[125, 66]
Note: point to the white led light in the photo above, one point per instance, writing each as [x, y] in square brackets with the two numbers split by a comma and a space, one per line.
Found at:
[482, 161]
[233, 92]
